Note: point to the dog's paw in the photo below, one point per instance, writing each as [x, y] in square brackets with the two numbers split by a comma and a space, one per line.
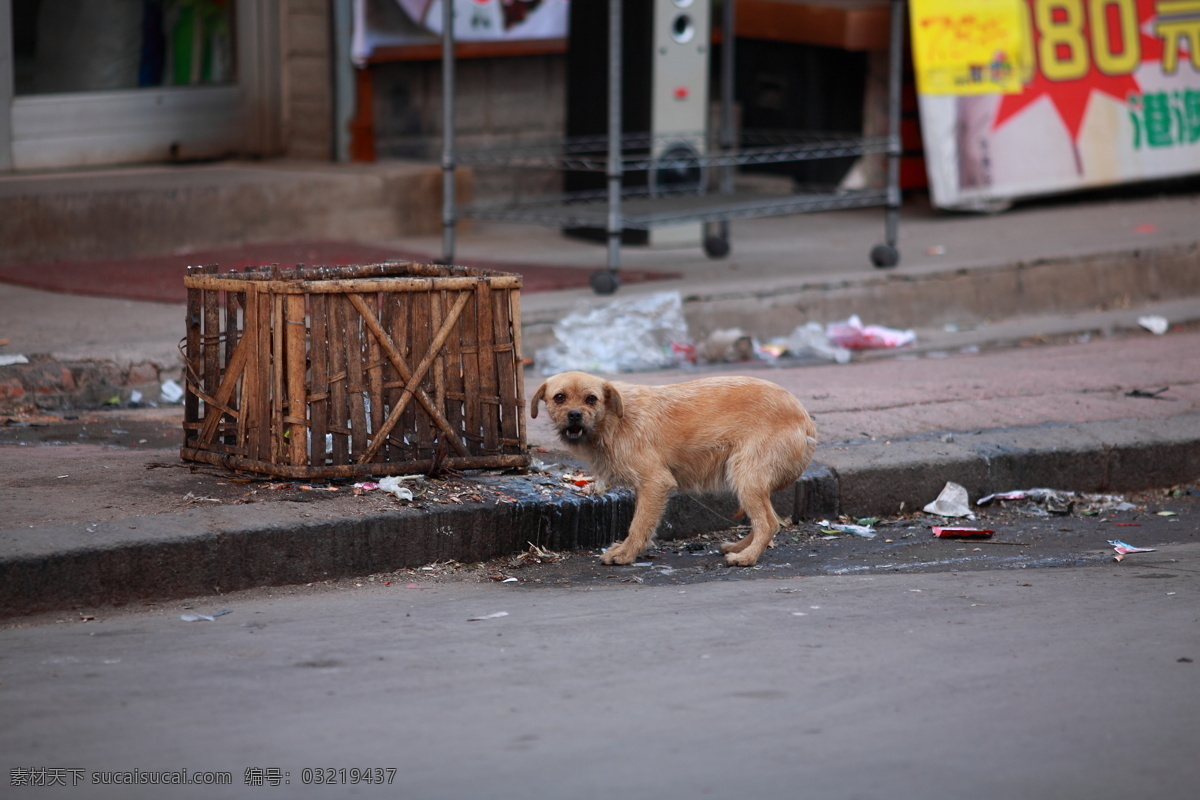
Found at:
[742, 559]
[736, 546]
[617, 555]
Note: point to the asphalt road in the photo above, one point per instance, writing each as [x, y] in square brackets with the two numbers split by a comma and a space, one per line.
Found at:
[973, 678]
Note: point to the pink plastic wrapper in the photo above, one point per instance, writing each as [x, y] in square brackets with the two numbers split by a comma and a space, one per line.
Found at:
[853, 335]
[1122, 549]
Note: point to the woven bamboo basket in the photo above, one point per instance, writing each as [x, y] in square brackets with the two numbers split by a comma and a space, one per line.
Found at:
[385, 369]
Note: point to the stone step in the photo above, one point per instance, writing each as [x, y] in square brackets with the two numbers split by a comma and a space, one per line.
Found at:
[121, 213]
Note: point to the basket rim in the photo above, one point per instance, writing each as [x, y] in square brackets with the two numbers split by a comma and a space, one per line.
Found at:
[391, 268]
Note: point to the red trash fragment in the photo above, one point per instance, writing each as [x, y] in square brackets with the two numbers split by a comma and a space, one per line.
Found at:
[962, 533]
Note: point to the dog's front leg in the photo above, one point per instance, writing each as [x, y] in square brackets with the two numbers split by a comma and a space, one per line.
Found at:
[651, 501]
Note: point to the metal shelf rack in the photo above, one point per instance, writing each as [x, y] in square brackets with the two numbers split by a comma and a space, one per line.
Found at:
[619, 207]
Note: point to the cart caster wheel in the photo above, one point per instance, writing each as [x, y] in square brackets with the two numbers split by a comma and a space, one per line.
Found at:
[884, 256]
[716, 246]
[604, 281]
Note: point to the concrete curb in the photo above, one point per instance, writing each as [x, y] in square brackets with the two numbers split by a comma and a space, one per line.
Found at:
[882, 479]
[929, 298]
[230, 548]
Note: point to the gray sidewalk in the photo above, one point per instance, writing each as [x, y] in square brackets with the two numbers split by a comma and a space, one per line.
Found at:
[965, 405]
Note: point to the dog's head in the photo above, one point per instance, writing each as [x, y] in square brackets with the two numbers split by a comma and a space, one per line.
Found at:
[578, 404]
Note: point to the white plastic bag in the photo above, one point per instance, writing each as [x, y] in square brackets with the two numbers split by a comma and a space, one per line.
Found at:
[627, 335]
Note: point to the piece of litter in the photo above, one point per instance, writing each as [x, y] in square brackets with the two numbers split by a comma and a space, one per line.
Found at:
[1061, 502]
[205, 617]
[488, 616]
[952, 502]
[865, 531]
[510, 580]
[630, 334]
[391, 485]
[1166, 513]
[1154, 323]
[811, 339]
[1124, 549]
[962, 533]
[726, 345]
[171, 391]
[9, 360]
[853, 335]
[1149, 394]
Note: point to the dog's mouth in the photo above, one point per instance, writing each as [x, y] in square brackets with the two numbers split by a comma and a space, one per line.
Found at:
[574, 433]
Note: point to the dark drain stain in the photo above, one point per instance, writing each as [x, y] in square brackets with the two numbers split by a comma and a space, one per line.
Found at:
[322, 663]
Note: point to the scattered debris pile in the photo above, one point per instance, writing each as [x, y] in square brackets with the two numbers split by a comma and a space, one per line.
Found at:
[650, 332]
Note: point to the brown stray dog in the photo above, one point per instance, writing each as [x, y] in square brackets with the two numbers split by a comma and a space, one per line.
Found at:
[746, 435]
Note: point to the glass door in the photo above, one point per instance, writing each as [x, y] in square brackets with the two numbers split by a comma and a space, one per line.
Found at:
[96, 82]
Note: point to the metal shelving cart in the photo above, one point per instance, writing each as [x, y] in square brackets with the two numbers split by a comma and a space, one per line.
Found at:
[619, 208]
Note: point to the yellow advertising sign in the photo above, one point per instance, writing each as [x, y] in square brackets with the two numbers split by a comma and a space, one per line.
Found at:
[970, 46]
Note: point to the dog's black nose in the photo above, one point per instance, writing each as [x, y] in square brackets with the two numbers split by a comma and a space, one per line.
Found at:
[575, 417]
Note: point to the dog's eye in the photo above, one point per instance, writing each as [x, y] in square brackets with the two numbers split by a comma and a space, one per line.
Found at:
[560, 398]
[591, 399]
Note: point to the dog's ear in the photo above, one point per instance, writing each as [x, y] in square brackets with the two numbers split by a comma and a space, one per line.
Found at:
[538, 396]
[612, 399]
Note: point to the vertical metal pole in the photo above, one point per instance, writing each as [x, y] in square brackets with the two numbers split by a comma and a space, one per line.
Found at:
[613, 170]
[449, 215]
[343, 78]
[895, 149]
[7, 89]
[727, 65]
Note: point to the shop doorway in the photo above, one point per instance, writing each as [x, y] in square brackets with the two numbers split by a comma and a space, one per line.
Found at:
[100, 82]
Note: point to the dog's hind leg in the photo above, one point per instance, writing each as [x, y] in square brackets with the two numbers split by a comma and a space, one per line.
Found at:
[742, 543]
[738, 545]
[764, 523]
[752, 473]
[651, 502]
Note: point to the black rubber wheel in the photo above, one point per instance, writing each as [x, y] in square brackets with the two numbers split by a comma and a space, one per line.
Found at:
[605, 281]
[884, 256]
[716, 246]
